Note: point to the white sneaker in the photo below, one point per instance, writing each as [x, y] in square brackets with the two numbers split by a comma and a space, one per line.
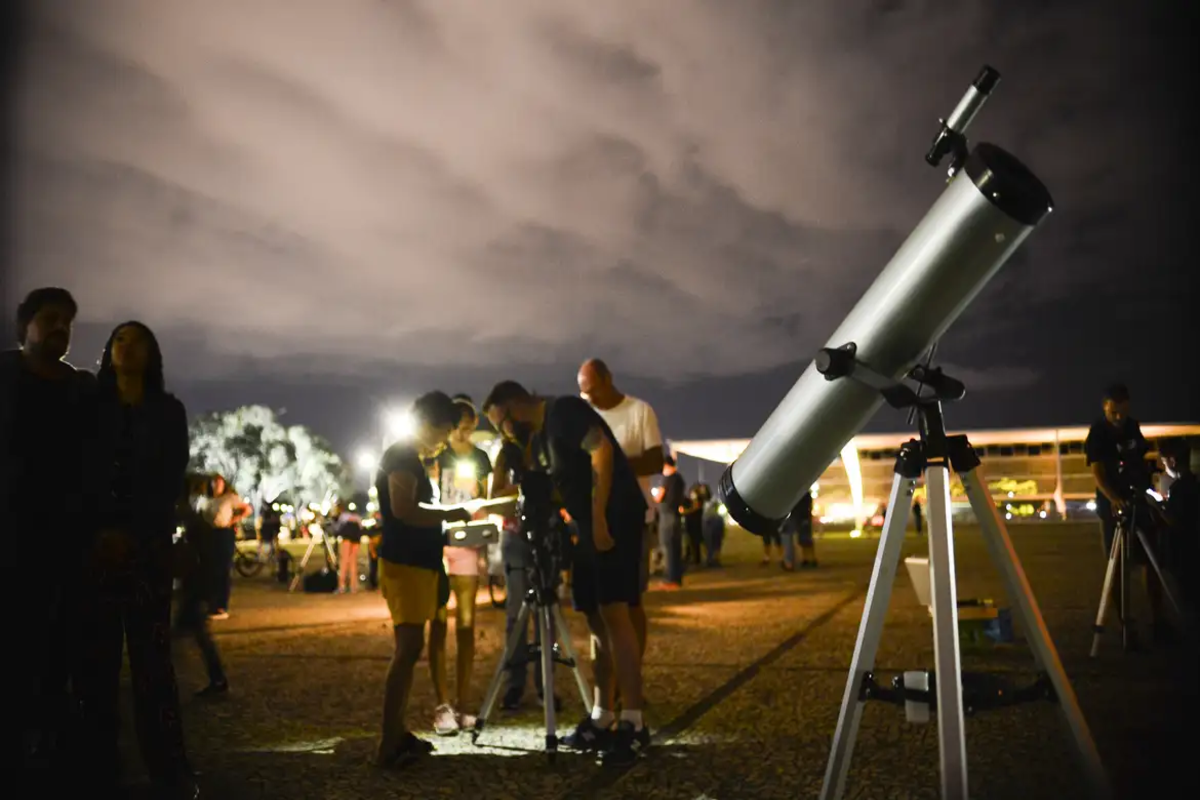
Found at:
[445, 722]
[466, 722]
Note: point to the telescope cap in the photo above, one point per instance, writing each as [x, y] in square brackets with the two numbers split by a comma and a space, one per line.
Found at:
[742, 513]
[1008, 184]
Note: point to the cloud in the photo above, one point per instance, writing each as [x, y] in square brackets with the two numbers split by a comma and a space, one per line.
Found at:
[692, 187]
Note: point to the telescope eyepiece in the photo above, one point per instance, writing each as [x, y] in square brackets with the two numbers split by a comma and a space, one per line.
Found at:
[986, 80]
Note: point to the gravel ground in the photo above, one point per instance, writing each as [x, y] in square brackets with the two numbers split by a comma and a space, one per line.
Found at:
[744, 676]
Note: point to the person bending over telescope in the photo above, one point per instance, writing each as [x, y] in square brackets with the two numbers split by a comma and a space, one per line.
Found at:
[410, 565]
[565, 437]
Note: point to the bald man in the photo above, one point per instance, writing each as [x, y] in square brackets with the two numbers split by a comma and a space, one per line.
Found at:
[635, 426]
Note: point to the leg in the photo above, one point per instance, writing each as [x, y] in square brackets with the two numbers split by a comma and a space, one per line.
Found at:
[620, 643]
[465, 589]
[226, 541]
[639, 612]
[155, 691]
[789, 550]
[346, 566]
[999, 545]
[99, 682]
[952, 742]
[879, 595]
[410, 639]
[517, 579]
[438, 671]
[604, 683]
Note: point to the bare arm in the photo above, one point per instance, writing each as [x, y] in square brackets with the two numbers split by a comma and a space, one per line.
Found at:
[502, 486]
[600, 449]
[648, 463]
[402, 487]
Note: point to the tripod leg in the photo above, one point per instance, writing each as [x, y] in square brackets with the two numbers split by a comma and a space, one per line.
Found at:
[879, 595]
[999, 545]
[510, 649]
[564, 632]
[299, 576]
[952, 742]
[1127, 631]
[1162, 577]
[547, 653]
[1114, 554]
[560, 623]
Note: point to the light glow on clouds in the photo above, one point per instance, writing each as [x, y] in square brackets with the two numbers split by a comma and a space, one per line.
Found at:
[680, 185]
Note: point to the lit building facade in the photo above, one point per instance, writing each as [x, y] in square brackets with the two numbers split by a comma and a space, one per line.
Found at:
[1038, 473]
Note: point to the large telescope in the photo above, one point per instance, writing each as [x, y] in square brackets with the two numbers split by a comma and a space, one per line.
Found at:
[991, 205]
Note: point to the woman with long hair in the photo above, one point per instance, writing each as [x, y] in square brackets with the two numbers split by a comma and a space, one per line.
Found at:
[140, 458]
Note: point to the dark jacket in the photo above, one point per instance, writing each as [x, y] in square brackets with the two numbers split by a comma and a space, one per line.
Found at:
[160, 453]
[69, 479]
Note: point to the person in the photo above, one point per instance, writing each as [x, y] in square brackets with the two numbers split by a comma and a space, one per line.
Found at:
[1181, 513]
[714, 527]
[270, 523]
[45, 413]
[462, 471]
[349, 532]
[191, 618]
[410, 562]
[774, 537]
[671, 498]
[693, 527]
[1115, 450]
[799, 525]
[635, 425]
[138, 463]
[223, 510]
[567, 438]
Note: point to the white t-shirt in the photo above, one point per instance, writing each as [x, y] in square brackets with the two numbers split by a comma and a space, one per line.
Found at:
[218, 511]
[635, 425]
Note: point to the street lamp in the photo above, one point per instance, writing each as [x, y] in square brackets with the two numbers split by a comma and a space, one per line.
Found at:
[397, 425]
[365, 460]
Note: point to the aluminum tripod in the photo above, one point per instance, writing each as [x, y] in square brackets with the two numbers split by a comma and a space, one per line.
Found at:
[550, 625]
[1128, 525]
[934, 455]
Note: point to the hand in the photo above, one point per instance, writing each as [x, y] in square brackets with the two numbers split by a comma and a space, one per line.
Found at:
[1119, 505]
[458, 515]
[600, 535]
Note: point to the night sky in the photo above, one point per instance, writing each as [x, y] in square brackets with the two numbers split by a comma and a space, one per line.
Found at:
[333, 206]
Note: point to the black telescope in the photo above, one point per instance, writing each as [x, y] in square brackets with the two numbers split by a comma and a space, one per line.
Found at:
[988, 209]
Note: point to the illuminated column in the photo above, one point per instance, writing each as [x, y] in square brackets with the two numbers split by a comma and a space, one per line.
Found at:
[1060, 504]
[854, 477]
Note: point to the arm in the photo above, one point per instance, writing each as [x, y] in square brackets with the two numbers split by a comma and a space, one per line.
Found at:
[402, 486]
[597, 445]
[1103, 484]
[502, 485]
[650, 461]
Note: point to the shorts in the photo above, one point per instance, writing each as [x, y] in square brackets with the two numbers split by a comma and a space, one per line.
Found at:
[411, 592]
[464, 588]
[461, 560]
[602, 579]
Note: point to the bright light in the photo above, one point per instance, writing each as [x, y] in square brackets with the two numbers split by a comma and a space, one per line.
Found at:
[352, 507]
[365, 460]
[854, 476]
[1010, 494]
[1154, 494]
[464, 470]
[398, 424]
[372, 493]
[274, 506]
[854, 534]
[1008, 516]
[1091, 505]
[722, 510]
[1042, 514]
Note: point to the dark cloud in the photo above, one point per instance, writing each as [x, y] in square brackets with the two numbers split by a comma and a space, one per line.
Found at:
[689, 189]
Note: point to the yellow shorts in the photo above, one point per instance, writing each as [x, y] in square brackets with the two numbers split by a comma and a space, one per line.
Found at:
[411, 592]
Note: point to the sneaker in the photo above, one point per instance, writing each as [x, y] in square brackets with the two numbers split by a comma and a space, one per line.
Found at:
[624, 745]
[220, 613]
[466, 721]
[214, 690]
[445, 721]
[411, 749]
[587, 737]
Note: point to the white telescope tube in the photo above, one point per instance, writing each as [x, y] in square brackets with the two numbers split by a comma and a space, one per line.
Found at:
[982, 217]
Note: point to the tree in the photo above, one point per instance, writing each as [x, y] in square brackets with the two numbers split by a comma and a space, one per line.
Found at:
[263, 459]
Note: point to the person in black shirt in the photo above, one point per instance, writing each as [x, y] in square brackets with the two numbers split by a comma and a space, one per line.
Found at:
[410, 561]
[1116, 451]
[44, 413]
[137, 466]
[1181, 512]
[565, 437]
[673, 495]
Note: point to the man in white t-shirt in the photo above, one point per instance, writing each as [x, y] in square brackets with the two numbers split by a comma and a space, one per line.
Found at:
[635, 426]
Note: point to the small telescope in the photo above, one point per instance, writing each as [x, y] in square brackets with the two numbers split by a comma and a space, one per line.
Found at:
[991, 205]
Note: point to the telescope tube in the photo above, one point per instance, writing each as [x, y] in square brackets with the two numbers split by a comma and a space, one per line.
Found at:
[981, 218]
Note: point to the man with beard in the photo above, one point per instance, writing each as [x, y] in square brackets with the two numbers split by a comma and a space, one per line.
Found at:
[43, 408]
[567, 439]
